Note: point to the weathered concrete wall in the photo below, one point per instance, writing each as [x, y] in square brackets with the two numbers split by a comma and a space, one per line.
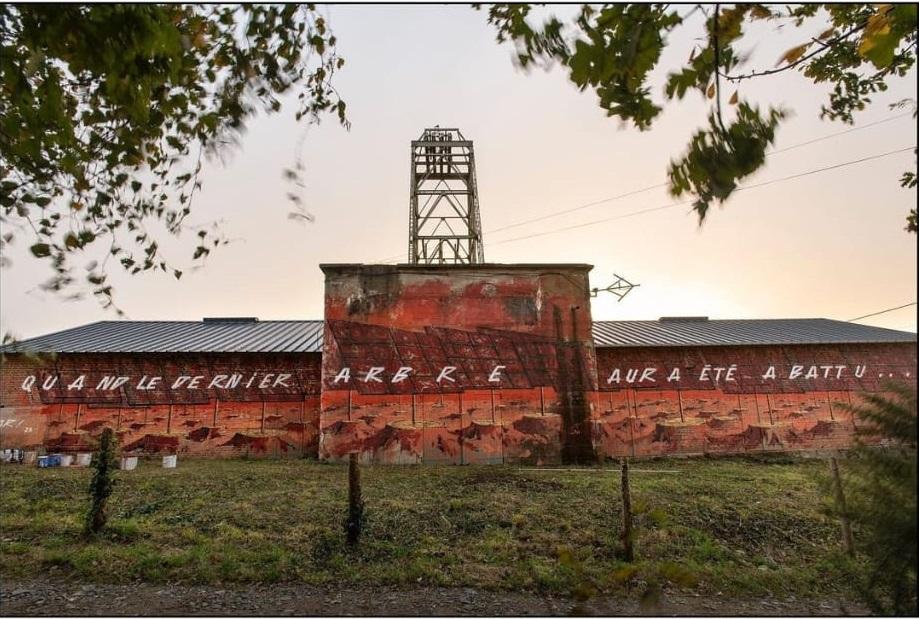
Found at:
[203, 404]
[733, 399]
[485, 363]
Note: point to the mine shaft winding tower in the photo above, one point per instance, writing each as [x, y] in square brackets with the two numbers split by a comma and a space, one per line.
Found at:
[444, 222]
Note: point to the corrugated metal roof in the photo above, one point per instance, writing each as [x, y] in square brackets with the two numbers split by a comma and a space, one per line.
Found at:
[209, 335]
[249, 335]
[704, 332]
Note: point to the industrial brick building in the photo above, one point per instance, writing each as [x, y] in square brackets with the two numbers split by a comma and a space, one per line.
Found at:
[449, 359]
[449, 364]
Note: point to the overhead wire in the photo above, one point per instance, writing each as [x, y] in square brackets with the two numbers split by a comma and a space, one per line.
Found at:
[675, 204]
[889, 309]
[661, 185]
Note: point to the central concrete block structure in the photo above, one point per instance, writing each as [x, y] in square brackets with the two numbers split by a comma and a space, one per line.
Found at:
[472, 363]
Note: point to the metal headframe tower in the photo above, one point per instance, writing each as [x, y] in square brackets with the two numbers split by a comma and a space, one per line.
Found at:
[444, 222]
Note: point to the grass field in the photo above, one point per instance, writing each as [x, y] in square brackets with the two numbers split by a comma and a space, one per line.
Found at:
[738, 526]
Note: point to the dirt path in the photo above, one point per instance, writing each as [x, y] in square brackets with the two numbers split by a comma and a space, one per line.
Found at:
[44, 597]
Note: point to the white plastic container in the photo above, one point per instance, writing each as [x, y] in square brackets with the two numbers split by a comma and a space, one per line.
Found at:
[66, 459]
[169, 462]
[128, 463]
[83, 459]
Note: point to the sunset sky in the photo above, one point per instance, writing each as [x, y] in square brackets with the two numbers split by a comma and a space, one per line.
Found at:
[829, 244]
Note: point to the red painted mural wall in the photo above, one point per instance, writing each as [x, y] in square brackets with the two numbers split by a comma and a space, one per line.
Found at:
[468, 364]
[204, 404]
[471, 364]
[730, 399]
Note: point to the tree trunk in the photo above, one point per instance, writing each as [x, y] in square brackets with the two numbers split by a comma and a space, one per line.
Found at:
[841, 508]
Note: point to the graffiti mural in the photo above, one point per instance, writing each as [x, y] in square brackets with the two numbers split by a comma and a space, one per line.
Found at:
[657, 401]
[215, 404]
[458, 365]
[471, 396]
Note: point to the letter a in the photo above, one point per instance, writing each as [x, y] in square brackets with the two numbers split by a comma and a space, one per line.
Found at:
[344, 374]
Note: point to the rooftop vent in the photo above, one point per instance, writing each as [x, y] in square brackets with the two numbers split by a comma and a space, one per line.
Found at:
[683, 318]
[226, 319]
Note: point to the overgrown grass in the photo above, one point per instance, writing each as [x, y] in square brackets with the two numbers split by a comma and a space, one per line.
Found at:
[737, 526]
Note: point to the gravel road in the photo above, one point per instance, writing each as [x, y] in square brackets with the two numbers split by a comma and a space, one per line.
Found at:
[44, 598]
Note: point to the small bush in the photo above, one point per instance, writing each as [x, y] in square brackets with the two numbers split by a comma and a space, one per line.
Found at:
[100, 489]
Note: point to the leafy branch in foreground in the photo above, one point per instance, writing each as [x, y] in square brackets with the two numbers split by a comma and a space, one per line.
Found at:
[880, 491]
[613, 49]
[107, 113]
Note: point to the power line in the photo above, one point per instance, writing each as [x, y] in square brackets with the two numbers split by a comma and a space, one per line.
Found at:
[578, 208]
[833, 135]
[891, 309]
[675, 204]
[661, 185]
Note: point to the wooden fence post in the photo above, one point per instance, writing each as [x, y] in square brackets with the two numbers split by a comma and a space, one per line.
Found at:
[355, 504]
[628, 552]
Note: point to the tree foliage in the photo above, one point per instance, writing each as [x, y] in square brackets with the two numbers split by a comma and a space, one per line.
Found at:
[612, 49]
[107, 112]
[880, 488]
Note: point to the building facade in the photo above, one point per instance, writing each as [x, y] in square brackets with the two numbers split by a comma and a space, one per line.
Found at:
[484, 363]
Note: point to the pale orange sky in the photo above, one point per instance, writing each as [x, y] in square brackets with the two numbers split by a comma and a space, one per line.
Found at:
[826, 245]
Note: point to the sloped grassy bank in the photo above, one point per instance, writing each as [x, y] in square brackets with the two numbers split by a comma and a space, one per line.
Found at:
[733, 525]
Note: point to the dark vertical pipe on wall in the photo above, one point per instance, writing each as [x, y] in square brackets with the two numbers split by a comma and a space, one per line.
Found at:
[303, 427]
[628, 408]
[462, 438]
[577, 447]
[849, 398]
[759, 419]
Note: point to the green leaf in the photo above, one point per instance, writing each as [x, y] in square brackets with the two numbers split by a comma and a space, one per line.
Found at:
[40, 250]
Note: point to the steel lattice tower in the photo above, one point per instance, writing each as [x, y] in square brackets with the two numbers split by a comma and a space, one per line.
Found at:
[444, 222]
